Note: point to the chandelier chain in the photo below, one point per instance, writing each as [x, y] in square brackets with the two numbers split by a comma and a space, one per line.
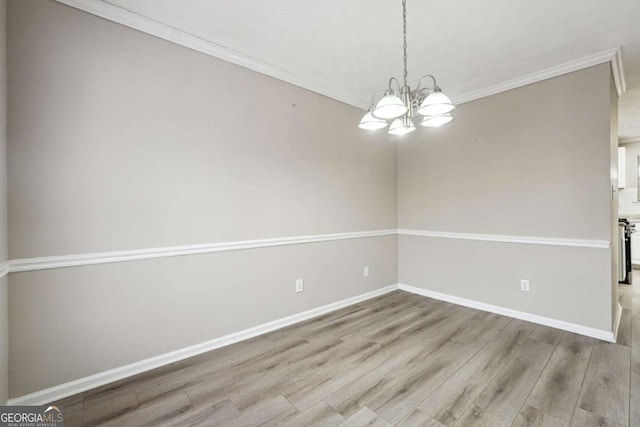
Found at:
[404, 36]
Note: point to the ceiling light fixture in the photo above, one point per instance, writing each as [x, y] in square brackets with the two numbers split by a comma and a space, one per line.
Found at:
[398, 104]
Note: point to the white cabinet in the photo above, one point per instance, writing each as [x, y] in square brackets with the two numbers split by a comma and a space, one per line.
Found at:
[635, 247]
[622, 167]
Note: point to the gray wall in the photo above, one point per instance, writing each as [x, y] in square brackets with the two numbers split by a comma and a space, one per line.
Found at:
[4, 301]
[173, 147]
[613, 211]
[533, 161]
[119, 140]
[109, 315]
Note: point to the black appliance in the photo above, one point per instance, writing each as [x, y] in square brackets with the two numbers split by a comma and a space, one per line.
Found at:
[624, 234]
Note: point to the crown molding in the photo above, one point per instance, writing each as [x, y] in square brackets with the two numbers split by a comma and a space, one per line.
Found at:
[629, 140]
[611, 55]
[527, 240]
[146, 25]
[617, 68]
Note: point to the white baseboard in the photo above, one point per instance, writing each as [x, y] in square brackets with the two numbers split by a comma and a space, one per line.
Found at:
[82, 384]
[534, 318]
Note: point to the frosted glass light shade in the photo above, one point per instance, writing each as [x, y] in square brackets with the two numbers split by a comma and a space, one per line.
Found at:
[401, 126]
[435, 121]
[390, 107]
[437, 103]
[371, 123]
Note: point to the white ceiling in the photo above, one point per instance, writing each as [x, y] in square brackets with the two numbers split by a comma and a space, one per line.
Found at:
[354, 46]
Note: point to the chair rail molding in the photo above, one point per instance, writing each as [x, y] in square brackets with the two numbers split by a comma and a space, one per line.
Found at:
[43, 263]
[76, 260]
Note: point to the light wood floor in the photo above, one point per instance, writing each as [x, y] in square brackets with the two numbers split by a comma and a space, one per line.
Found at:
[399, 359]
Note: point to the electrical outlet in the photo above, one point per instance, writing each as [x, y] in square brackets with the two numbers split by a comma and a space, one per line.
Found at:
[524, 285]
[365, 271]
[299, 285]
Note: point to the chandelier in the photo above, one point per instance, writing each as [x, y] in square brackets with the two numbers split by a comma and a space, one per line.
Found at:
[398, 103]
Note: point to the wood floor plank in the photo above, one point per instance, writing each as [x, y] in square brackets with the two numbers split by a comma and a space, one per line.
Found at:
[105, 408]
[605, 391]
[251, 358]
[397, 359]
[333, 316]
[625, 295]
[71, 405]
[478, 417]
[248, 393]
[359, 392]
[320, 414]
[419, 419]
[379, 320]
[274, 357]
[635, 334]
[350, 398]
[153, 414]
[624, 330]
[546, 334]
[634, 410]
[424, 317]
[364, 417]
[213, 362]
[582, 418]
[404, 396]
[533, 417]
[451, 400]
[507, 391]
[309, 388]
[335, 323]
[391, 298]
[206, 415]
[557, 390]
[114, 413]
[281, 418]
[259, 413]
[332, 355]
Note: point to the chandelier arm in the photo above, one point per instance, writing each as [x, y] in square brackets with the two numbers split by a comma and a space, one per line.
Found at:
[393, 79]
[435, 85]
[373, 98]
